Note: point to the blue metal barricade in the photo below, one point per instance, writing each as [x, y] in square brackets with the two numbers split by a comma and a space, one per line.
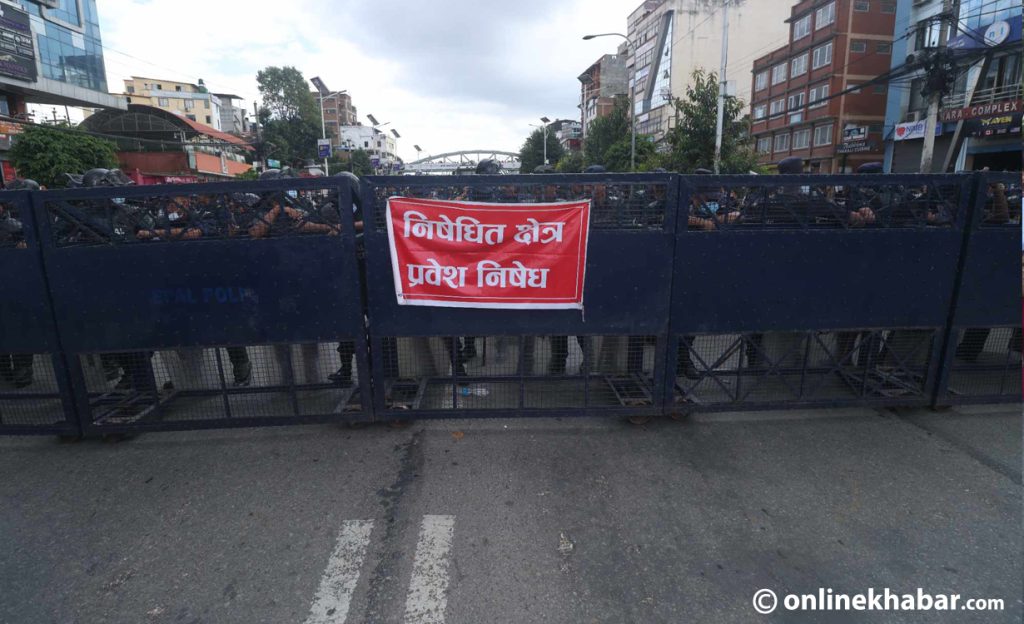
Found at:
[35, 393]
[607, 359]
[208, 305]
[812, 290]
[982, 362]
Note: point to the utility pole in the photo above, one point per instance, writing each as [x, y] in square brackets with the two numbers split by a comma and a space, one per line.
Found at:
[950, 16]
[259, 144]
[720, 124]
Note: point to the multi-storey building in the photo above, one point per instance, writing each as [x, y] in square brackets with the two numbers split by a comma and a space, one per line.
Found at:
[672, 38]
[51, 54]
[600, 85]
[569, 133]
[807, 100]
[379, 144]
[979, 122]
[338, 112]
[192, 101]
[233, 114]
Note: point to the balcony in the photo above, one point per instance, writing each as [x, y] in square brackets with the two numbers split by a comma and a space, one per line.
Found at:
[985, 96]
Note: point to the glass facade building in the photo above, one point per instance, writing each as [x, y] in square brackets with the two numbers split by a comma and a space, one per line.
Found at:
[68, 43]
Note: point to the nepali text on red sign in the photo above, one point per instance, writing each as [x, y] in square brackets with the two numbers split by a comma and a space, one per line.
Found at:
[482, 255]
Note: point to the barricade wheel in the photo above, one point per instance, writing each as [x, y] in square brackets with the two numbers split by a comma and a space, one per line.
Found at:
[639, 420]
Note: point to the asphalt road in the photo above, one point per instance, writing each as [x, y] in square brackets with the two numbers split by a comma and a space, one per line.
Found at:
[588, 520]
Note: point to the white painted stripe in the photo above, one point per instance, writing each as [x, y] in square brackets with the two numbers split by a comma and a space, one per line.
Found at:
[330, 606]
[428, 589]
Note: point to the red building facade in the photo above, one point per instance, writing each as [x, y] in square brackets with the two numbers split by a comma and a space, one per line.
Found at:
[796, 109]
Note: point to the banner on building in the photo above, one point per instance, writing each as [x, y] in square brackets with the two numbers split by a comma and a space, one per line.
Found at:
[17, 52]
[475, 255]
[1005, 107]
[1002, 125]
[913, 130]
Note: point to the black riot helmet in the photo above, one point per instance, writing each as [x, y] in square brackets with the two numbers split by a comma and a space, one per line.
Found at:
[22, 185]
[488, 166]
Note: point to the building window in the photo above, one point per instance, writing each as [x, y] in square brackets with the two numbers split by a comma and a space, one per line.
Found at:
[130, 89]
[177, 87]
[802, 139]
[129, 101]
[209, 119]
[797, 100]
[928, 33]
[159, 87]
[192, 117]
[798, 66]
[825, 16]
[854, 89]
[163, 102]
[802, 27]
[778, 107]
[883, 48]
[189, 105]
[823, 135]
[862, 6]
[859, 47]
[818, 96]
[761, 81]
[147, 86]
[781, 142]
[760, 111]
[764, 145]
[206, 104]
[822, 56]
[796, 118]
[879, 89]
[888, 7]
[779, 74]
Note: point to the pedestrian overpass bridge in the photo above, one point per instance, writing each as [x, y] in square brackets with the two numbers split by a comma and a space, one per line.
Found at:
[464, 161]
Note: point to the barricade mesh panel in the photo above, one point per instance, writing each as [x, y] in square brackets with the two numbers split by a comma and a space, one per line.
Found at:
[1002, 204]
[986, 363]
[29, 395]
[12, 231]
[513, 372]
[723, 205]
[792, 367]
[622, 205]
[187, 217]
[255, 381]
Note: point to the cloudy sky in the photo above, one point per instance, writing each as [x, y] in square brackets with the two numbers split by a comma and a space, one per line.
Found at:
[447, 74]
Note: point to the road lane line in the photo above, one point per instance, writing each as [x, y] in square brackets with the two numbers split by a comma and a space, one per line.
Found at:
[330, 606]
[428, 589]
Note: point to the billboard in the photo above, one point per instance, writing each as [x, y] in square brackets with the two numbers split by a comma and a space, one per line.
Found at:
[17, 52]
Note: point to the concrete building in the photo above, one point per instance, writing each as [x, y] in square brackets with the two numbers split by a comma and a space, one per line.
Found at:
[207, 154]
[193, 101]
[672, 38]
[986, 107]
[834, 46]
[52, 54]
[599, 86]
[569, 133]
[379, 144]
[338, 112]
[233, 114]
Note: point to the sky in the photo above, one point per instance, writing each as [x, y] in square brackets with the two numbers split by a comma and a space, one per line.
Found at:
[447, 74]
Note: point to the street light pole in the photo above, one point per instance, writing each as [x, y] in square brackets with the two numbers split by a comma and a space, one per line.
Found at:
[545, 121]
[323, 131]
[632, 96]
[720, 123]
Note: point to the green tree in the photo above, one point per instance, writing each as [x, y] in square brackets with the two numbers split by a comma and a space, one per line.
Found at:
[45, 154]
[251, 174]
[289, 116]
[692, 141]
[531, 155]
[571, 162]
[604, 132]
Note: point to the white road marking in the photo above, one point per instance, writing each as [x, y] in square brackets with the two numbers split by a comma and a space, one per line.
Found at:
[428, 589]
[330, 606]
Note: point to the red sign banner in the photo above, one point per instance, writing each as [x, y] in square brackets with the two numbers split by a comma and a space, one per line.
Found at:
[461, 254]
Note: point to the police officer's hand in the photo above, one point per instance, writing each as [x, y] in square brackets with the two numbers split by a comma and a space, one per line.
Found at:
[144, 234]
